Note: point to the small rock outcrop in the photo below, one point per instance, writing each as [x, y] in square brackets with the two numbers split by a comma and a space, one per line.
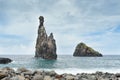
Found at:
[82, 50]
[45, 45]
[5, 60]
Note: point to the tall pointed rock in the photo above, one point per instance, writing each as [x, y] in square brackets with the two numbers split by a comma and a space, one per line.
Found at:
[45, 45]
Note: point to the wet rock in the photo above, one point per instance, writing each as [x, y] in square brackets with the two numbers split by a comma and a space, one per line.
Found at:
[5, 60]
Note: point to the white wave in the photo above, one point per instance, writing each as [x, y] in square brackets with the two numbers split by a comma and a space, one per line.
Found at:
[13, 62]
[75, 70]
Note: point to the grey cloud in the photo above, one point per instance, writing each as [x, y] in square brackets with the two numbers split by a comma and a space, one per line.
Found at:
[71, 18]
[98, 7]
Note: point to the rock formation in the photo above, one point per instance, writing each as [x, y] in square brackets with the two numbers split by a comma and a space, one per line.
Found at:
[5, 60]
[45, 45]
[82, 50]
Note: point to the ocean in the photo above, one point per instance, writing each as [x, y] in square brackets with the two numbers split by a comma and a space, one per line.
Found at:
[66, 63]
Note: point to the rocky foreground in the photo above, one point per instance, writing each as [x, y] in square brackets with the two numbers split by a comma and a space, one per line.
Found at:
[25, 74]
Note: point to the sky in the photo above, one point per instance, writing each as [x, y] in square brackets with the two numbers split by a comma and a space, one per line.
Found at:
[94, 22]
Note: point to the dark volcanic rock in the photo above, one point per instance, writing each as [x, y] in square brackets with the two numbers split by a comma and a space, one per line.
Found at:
[83, 50]
[5, 60]
[45, 45]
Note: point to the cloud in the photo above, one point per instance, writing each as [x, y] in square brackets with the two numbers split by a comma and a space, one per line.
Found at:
[95, 22]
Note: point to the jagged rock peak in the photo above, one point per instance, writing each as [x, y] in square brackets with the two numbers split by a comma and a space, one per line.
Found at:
[41, 18]
[51, 36]
[45, 46]
[82, 50]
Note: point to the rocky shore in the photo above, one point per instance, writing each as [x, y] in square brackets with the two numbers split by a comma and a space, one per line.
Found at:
[25, 74]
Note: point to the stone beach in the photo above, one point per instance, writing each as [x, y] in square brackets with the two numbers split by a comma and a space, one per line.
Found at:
[7, 73]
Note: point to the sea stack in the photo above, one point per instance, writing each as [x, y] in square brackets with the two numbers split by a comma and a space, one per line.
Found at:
[82, 50]
[45, 45]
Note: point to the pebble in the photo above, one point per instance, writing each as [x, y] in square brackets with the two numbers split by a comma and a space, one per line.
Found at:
[25, 74]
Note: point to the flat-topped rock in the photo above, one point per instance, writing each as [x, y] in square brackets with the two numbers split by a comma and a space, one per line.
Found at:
[82, 50]
[45, 45]
[5, 60]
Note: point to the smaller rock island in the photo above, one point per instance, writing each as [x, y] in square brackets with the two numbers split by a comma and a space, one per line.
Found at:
[45, 45]
[82, 50]
[5, 60]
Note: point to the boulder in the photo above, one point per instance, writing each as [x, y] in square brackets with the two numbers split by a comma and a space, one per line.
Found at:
[70, 77]
[82, 50]
[5, 60]
[117, 74]
[58, 77]
[7, 70]
[45, 45]
[19, 77]
[22, 69]
[52, 73]
[38, 77]
[2, 75]
[47, 78]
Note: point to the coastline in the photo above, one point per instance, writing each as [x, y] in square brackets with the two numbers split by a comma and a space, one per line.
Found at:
[8, 73]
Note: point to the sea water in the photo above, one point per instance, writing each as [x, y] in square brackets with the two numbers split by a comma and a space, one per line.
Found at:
[66, 63]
